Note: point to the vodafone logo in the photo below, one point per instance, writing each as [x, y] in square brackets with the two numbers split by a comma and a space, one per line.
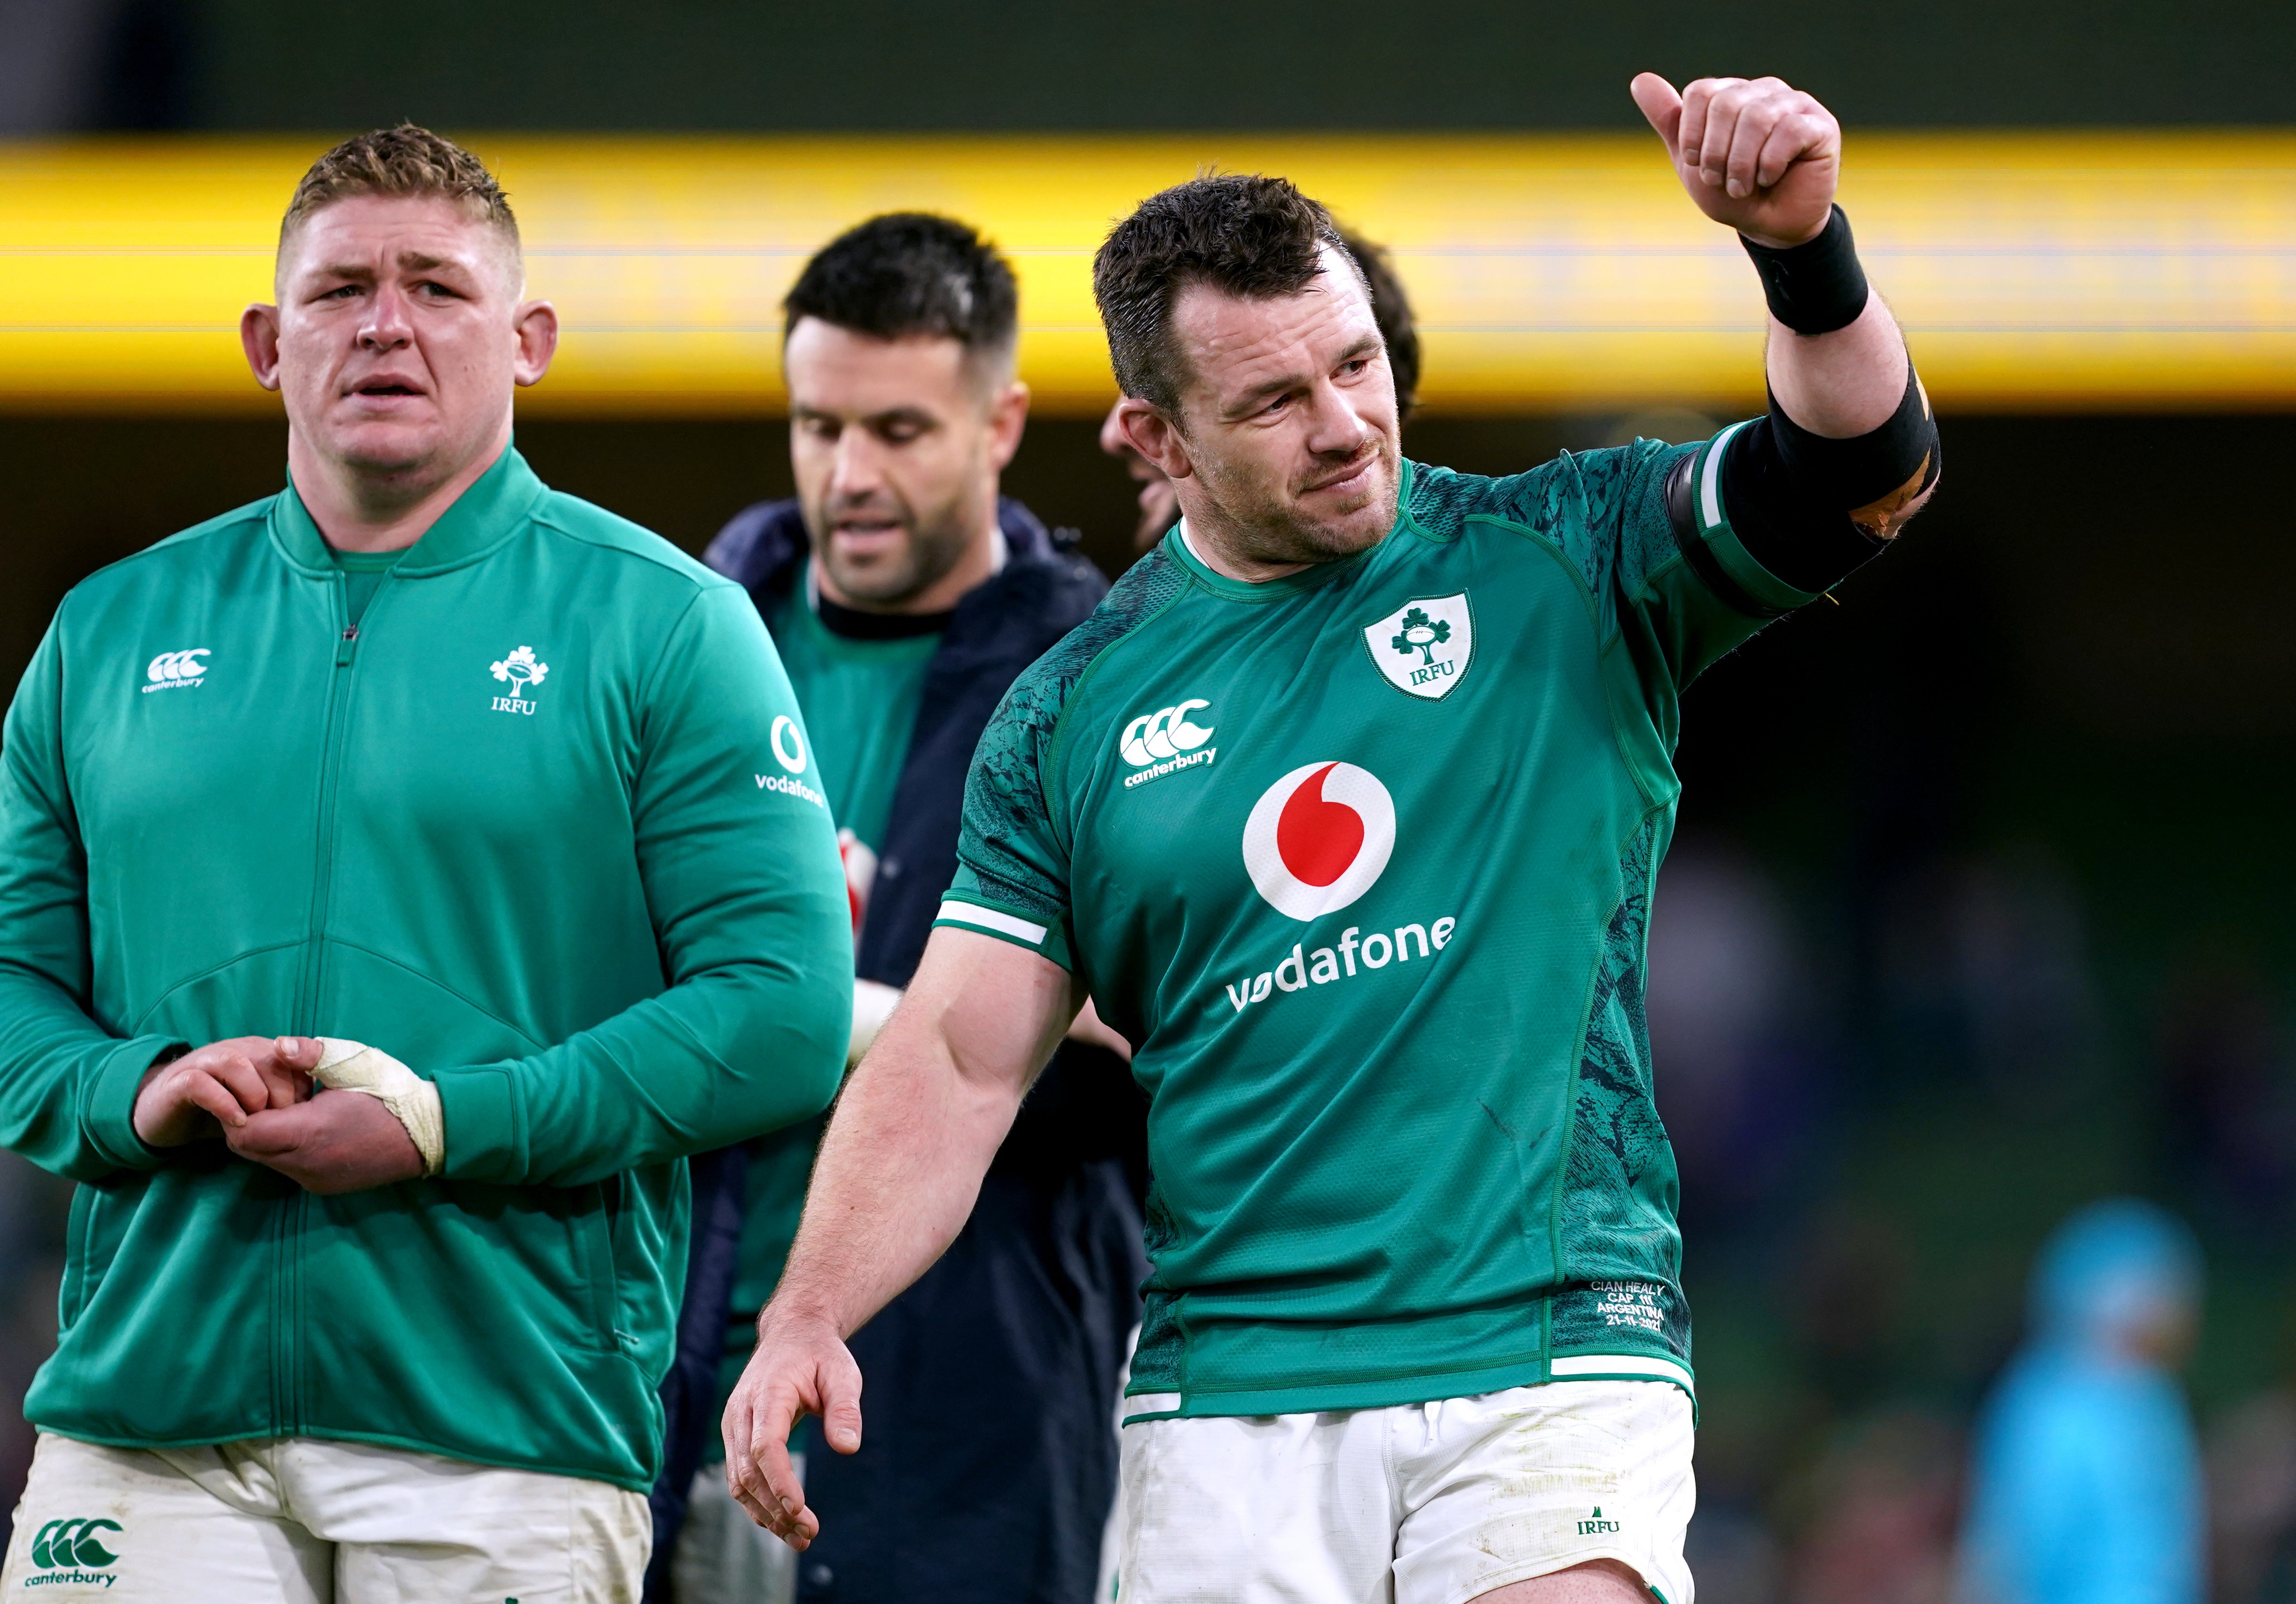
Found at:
[788, 747]
[1319, 838]
[789, 750]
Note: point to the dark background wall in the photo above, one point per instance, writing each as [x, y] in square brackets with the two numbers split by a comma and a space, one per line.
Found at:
[1052, 64]
[1207, 63]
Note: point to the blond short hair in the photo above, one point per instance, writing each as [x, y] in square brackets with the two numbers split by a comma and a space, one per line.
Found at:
[404, 161]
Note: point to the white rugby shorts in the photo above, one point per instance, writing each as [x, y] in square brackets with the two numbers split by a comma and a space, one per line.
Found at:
[296, 1520]
[1427, 1503]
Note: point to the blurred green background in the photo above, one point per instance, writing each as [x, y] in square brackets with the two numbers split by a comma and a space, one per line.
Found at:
[1981, 904]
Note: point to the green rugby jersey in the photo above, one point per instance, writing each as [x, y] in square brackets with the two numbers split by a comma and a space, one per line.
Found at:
[1361, 861]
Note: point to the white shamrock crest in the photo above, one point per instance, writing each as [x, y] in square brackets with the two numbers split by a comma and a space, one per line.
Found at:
[521, 670]
[1423, 647]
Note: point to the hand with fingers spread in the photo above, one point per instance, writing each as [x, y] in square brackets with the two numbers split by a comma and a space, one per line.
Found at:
[1757, 155]
[801, 1367]
[221, 1084]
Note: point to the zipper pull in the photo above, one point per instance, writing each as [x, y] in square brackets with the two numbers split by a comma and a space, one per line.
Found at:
[347, 645]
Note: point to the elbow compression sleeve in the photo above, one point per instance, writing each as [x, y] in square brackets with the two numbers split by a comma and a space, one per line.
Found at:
[1810, 509]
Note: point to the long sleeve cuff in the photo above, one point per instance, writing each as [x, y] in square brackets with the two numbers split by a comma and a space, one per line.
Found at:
[485, 1137]
[111, 1107]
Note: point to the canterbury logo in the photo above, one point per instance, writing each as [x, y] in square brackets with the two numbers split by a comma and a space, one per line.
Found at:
[1157, 744]
[1163, 734]
[172, 670]
[73, 1542]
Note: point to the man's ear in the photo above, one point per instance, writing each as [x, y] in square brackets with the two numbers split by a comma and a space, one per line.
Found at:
[1148, 431]
[259, 337]
[536, 324]
[1008, 417]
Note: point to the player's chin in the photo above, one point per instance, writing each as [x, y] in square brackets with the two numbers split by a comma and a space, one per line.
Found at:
[386, 446]
[1360, 521]
[877, 579]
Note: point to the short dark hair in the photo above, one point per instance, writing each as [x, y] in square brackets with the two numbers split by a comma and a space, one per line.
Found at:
[404, 161]
[910, 274]
[1392, 307]
[1242, 234]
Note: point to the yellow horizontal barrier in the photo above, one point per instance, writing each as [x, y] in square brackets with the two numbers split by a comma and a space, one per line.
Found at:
[2139, 272]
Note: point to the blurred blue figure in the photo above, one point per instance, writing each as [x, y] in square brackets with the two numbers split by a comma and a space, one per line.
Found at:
[2087, 1485]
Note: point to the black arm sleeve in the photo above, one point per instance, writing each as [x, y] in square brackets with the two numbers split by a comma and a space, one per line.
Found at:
[1804, 506]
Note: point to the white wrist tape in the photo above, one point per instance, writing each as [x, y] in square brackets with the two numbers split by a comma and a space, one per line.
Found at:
[355, 1067]
[873, 1003]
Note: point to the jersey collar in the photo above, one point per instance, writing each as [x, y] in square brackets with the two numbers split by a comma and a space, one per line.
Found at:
[480, 518]
[1177, 547]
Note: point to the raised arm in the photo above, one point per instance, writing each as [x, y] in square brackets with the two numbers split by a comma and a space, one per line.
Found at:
[1764, 159]
[899, 1169]
[1847, 421]
[1697, 550]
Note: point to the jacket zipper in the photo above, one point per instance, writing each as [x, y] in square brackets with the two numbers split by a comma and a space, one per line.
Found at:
[287, 1330]
[322, 873]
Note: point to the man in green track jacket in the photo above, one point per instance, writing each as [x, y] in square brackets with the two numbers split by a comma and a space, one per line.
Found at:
[451, 851]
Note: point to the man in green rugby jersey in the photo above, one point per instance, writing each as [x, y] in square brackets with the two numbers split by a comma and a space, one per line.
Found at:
[1345, 808]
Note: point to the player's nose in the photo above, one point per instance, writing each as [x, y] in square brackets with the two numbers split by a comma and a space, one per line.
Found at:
[387, 323]
[1336, 425]
[857, 470]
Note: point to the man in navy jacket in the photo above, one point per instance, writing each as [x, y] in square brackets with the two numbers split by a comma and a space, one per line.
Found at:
[906, 595]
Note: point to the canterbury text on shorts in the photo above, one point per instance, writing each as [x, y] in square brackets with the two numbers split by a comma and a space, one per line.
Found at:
[296, 1520]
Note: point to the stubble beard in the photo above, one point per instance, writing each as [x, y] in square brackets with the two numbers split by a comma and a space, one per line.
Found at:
[1275, 533]
[935, 545]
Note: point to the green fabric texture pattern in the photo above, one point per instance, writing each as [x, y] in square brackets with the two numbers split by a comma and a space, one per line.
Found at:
[523, 827]
[1361, 861]
[860, 699]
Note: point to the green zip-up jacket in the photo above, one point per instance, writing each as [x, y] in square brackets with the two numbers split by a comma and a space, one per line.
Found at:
[540, 823]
